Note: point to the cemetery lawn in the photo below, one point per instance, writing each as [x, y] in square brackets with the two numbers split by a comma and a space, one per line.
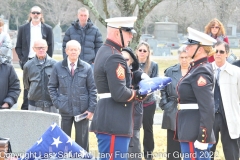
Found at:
[159, 134]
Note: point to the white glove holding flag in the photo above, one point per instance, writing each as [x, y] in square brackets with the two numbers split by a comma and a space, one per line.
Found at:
[201, 146]
[144, 76]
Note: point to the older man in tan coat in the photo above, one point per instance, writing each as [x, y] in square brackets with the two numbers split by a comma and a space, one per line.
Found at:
[227, 102]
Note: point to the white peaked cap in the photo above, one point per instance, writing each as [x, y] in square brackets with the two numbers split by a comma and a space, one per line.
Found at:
[126, 23]
[196, 37]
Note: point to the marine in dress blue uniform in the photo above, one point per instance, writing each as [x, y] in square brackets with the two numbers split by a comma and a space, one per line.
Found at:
[113, 117]
[195, 118]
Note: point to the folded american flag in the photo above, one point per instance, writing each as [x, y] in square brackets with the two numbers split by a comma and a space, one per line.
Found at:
[55, 144]
[150, 85]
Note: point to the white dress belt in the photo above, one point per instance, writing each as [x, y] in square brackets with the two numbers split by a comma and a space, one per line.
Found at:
[104, 95]
[188, 106]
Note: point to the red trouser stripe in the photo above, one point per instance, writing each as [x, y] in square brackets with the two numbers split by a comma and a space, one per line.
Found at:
[191, 150]
[112, 143]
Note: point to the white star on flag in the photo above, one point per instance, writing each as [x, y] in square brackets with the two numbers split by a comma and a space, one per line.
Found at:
[53, 125]
[39, 141]
[56, 141]
[83, 153]
[150, 85]
[70, 141]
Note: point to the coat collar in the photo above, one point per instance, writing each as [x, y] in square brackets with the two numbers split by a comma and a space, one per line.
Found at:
[46, 63]
[113, 44]
[228, 67]
[176, 68]
[199, 61]
[65, 63]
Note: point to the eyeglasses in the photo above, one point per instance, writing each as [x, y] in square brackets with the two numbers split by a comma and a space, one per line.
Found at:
[216, 27]
[142, 50]
[220, 51]
[39, 48]
[126, 59]
[36, 13]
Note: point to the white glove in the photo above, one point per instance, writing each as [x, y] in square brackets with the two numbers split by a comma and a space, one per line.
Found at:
[201, 146]
[144, 76]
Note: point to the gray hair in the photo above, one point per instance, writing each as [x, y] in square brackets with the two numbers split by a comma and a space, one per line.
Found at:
[226, 45]
[73, 43]
[182, 49]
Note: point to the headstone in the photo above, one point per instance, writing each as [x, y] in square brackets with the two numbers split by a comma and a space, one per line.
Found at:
[232, 36]
[163, 51]
[153, 44]
[166, 19]
[57, 32]
[166, 33]
[24, 128]
[232, 30]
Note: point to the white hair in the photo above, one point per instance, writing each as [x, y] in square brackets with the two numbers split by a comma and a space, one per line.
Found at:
[73, 43]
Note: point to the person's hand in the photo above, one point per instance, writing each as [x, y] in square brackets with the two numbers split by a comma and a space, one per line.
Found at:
[140, 97]
[5, 106]
[90, 115]
[201, 146]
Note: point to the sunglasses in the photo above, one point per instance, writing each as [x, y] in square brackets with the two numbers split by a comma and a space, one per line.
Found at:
[142, 50]
[220, 51]
[36, 13]
[215, 27]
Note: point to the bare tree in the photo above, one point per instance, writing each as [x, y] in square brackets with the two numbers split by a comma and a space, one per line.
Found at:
[59, 11]
[15, 8]
[225, 9]
[139, 8]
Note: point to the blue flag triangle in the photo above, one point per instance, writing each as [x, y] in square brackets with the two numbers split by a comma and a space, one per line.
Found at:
[55, 143]
[150, 85]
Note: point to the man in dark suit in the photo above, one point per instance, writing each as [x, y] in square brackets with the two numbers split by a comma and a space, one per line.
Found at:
[27, 34]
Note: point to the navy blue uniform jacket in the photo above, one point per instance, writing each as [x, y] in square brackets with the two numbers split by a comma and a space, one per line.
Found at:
[196, 87]
[113, 115]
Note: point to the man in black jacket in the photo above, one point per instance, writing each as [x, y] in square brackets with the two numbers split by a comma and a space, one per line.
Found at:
[33, 30]
[73, 92]
[86, 34]
[36, 73]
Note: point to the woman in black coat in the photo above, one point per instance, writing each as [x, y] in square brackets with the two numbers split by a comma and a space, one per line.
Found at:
[169, 101]
[10, 86]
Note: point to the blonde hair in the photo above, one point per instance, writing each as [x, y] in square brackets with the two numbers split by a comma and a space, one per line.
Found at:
[209, 50]
[212, 23]
[148, 61]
